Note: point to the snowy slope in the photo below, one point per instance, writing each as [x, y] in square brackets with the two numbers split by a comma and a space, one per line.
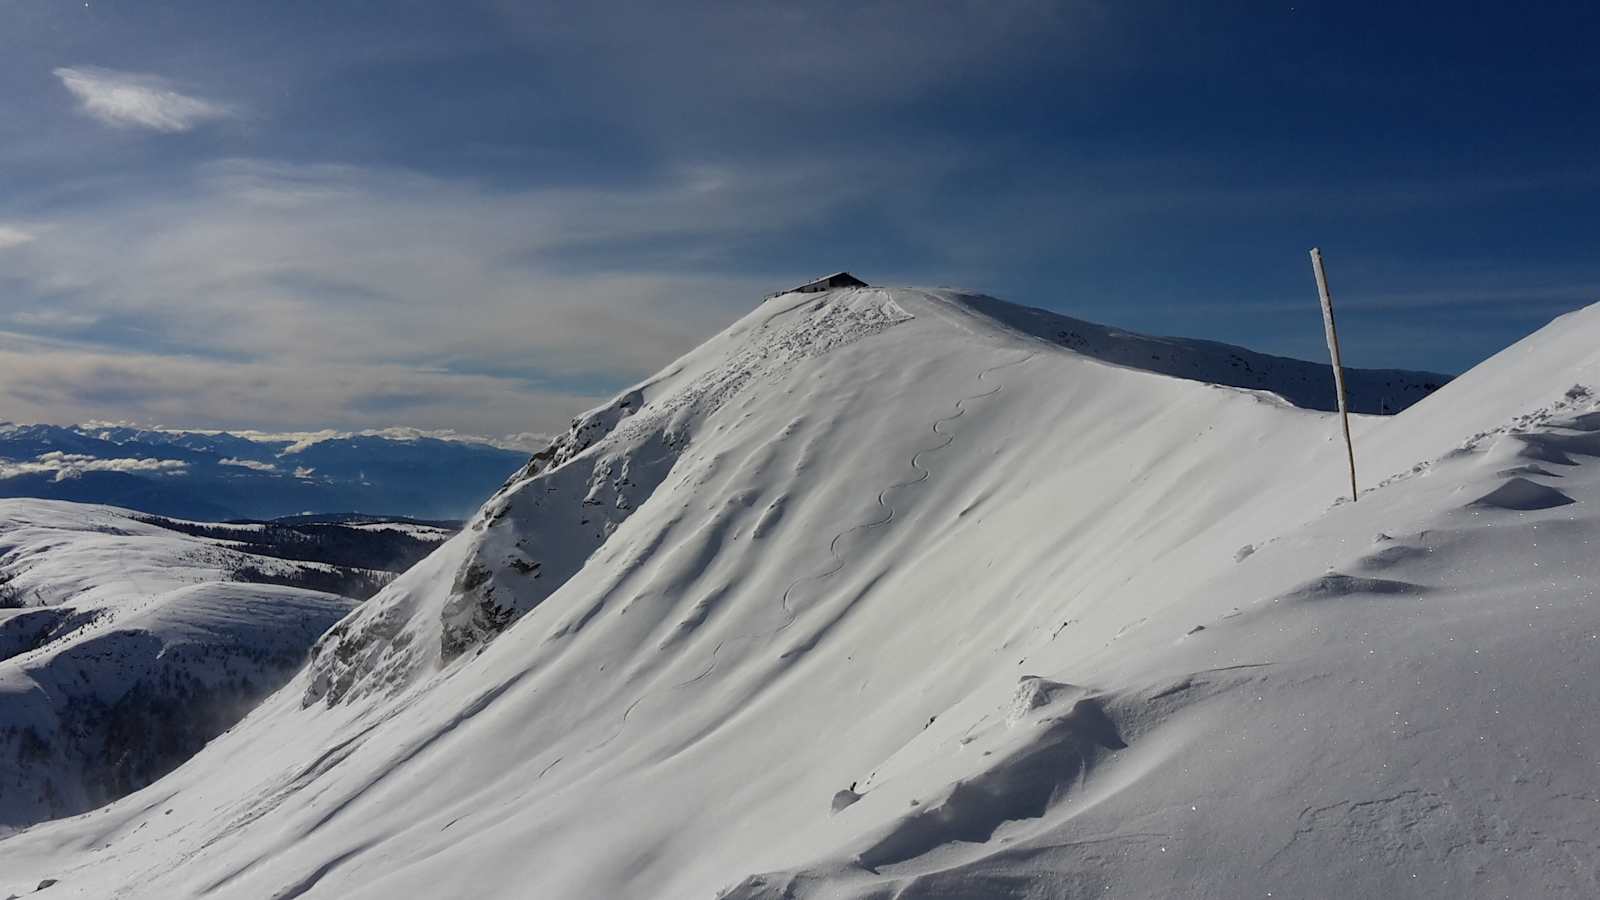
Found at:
[125, 647]
[890, 593]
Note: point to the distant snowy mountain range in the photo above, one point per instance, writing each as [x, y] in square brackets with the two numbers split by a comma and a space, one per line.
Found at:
[218, 476]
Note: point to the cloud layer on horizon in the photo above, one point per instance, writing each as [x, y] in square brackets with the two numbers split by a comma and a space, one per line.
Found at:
[62, 466]
[271, 295]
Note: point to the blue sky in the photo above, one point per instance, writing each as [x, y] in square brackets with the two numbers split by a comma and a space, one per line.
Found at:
[488, 215]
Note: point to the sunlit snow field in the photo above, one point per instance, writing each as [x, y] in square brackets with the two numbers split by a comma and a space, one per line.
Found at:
[900, 593]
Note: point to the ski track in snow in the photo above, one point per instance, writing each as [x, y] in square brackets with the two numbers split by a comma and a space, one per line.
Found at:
[923, 474]
[838, 560]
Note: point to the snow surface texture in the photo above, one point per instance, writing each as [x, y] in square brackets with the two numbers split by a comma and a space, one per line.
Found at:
[123, 649]
[891, 593]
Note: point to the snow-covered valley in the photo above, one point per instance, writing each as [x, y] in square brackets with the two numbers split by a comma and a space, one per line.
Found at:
[890, 593]
[127, 641]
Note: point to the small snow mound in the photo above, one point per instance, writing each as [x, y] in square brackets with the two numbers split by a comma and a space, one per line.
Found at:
[1522, 495]
[1021, 785]
[1530, 469]
[845, 799]
[1582, 422]
[1337, 584]
[770, 518]
[1034, 692]
[1391, 555]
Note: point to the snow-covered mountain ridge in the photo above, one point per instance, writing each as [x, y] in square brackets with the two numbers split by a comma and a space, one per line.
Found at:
[889, 593]
[1305, 384]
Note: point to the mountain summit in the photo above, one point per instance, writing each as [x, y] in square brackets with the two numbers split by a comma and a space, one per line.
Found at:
[889, 592]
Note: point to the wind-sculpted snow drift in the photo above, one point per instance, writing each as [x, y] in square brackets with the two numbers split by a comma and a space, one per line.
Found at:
[892, 593]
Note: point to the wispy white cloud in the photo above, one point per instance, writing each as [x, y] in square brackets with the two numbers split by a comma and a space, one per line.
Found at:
[525, 440]
[73, 465]
[255, 465]
[301, 440]
[127, 99]
[353, 297]
[305, 440]
[321, 263]
[56, 381]
[52, 319]
[12, 236]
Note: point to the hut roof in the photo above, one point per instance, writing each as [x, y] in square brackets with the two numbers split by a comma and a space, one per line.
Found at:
[826, 282]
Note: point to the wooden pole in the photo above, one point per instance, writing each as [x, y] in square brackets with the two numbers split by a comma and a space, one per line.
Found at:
[1338, 367]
